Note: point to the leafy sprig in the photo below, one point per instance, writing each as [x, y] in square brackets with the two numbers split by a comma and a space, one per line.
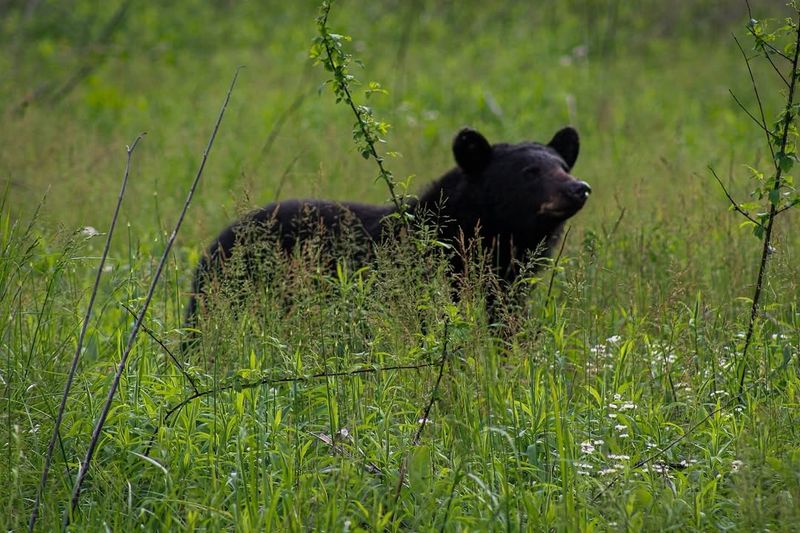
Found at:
[328, 50]
[775, 191]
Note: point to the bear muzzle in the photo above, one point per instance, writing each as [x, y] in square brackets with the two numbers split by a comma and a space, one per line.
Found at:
[567, 200]
[579, 191]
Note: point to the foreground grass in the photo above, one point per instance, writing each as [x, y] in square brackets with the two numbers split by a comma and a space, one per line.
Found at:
[535, 426]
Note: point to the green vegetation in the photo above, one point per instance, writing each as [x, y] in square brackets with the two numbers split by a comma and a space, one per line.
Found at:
[630, 342]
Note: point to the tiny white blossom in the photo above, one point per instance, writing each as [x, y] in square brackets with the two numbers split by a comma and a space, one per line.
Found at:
[587, 446]
[598, 349]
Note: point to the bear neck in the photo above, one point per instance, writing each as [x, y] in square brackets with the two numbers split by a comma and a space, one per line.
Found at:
[452, 205]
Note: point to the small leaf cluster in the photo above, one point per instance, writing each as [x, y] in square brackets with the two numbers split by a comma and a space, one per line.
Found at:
[777, 186]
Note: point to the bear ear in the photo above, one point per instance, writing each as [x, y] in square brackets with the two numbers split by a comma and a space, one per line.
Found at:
[567, 144]
[471, 150]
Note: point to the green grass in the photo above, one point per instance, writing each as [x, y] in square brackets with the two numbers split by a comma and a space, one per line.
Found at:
[636, 344]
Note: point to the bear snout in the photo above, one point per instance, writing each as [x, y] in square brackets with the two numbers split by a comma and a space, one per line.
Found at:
[579, 190]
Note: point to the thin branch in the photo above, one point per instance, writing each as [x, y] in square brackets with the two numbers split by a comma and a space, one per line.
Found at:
[788, 206]
[661, 451]
[776, 69]
[287, 379]
[749, 114]
[677, 440]
[758, 96]
[733, 202]
[767, 246]
[79, 348]
[177, 363]
[85, 464]
[424, 420]
[435, 392]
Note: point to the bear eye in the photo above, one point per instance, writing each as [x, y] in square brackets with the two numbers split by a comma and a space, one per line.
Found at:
[534, 170]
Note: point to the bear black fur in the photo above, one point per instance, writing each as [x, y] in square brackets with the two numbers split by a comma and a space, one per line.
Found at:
[514, 198]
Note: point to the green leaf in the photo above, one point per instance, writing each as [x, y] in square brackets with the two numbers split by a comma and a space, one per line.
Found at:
[785, 162]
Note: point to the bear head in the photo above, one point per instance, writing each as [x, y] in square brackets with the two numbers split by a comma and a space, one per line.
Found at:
[525, 189]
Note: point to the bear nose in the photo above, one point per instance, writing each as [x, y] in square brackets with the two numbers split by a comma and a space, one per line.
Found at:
[580, 190]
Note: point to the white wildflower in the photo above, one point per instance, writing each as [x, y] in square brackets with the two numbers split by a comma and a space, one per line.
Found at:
[89, 231]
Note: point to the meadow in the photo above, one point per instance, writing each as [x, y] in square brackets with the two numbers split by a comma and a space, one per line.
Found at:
[610, 400]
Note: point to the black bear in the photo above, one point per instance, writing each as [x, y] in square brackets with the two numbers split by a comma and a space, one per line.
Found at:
[514, 198]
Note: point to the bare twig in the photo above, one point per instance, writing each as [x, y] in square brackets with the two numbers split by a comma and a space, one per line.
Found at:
[758, 123]
[76, 492]
[79, 348]
[758, 97]
[435, 392]
[424, 420]
[733, 202]
[177, 363]
[278, 380]
[661, 451]
[788, 206]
